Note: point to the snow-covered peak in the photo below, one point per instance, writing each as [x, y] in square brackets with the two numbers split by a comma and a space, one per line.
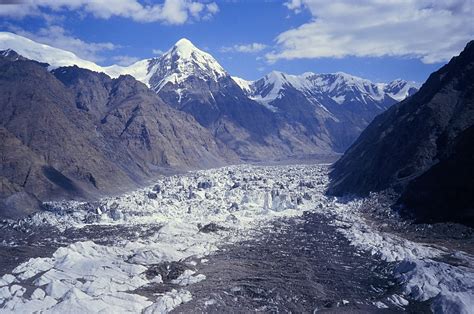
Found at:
[339, 86]
[185, 60]
[351, 79]
[43, 53]
[275, 74]
[182, 61]
[182, 58]
[185, 51]
[56, 57]
[184, 47]
[273, 85]
[184, 42]
[400, 89]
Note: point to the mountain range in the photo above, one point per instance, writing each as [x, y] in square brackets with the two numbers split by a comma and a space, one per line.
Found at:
[71, 128]
[338, 105]
[278, 116]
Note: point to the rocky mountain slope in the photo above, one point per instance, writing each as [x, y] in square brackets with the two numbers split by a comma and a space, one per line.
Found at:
[77, 133]
[421, 147]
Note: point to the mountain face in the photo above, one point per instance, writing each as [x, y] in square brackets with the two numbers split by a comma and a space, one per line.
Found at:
[342, 104]
[340, 87]
[79, 134]
[278, 116]
[192, 81]
[421, 147]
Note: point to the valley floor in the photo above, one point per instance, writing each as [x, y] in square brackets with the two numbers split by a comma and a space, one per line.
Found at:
[234, 239]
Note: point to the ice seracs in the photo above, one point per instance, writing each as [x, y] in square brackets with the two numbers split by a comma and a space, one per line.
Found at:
[86, 277]
[93, 277]
[420, 268]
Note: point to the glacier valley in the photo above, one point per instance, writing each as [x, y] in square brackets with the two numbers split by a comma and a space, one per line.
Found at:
[182, 245]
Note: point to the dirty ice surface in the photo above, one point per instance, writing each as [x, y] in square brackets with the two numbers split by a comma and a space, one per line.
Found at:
[143, 251]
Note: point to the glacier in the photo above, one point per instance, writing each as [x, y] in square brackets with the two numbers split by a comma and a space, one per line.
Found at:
[182, 220]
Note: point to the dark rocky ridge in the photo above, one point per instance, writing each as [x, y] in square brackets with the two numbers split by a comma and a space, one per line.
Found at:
[424, 138]
[75, 133]
[446, 190]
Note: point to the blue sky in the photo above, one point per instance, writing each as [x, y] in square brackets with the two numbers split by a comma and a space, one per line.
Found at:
[251, 38]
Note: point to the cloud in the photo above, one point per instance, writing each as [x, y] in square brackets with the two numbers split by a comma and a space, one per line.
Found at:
[18, 10]
[212, 8]
[58, 37]
[432, 31]
[294, 5]
[158, 52]
[170, 11]
[125, 60]
[245, 48]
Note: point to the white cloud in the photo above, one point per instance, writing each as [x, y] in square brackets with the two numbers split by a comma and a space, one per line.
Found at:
[294, 5]
[196, 8]
[169, 11]
[58, 37]
[245, 48]
[212, 8]
[158, 52]
[432, 31]
[125, 60]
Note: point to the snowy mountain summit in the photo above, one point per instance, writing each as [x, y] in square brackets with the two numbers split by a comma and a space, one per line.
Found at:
[337, 87]
[43, 53]
[182, 61]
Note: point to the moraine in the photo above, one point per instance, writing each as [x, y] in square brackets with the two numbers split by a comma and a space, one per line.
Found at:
[249, 238]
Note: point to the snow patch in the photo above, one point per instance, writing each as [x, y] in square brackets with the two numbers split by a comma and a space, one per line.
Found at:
[423, 276]
[245, 85]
